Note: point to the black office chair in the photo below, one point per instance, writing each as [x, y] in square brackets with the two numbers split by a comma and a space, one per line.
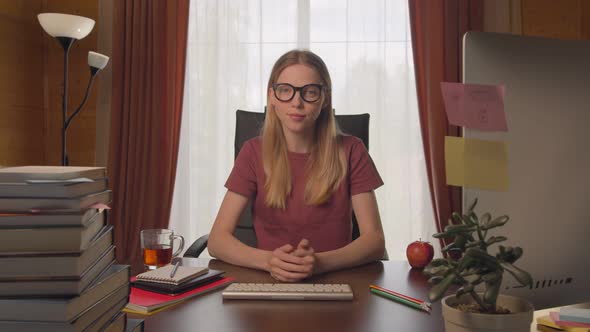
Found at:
[248, 125]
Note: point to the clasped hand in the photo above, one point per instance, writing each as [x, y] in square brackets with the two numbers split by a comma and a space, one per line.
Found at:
[289, 264]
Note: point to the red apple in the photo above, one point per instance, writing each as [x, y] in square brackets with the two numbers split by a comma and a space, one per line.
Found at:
[419, 254]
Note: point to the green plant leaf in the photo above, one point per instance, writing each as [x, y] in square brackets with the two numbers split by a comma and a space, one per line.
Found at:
[438, 291]
[453, 230]
[516, 254]
[496, 239]
[435, 280]
[523, 277]
[459, 228]
[439, 235]
[509, 254]
[472, 205]
[464, 290]
[473, 218]
[464, 263]
[473, 279]
[473, 244]
[438, 262]
[500, 221]
[492, 276]
[467, 220]
[437, 267]
[452, 233]
[483, 257]
[485, 218]
[457, 219]
[460, 241]
[491, 293]
[436, 270]
[470, 271]
[458, 244]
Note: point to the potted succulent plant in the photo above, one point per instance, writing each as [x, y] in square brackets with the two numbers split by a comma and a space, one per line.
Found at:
[470, 265]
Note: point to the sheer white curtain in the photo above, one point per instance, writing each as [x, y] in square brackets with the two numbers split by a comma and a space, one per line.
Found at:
[365, 43]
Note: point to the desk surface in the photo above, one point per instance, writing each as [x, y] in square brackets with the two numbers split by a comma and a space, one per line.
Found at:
[366, 312]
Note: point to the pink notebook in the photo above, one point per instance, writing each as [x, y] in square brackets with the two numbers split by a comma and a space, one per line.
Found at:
[145, 301]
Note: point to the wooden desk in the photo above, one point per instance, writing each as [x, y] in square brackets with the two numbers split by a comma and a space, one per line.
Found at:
[367, 312]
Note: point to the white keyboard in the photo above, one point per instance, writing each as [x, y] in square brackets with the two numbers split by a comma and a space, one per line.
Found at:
[317, 292]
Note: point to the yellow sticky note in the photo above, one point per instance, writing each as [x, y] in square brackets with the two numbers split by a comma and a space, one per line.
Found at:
[476, 163]
[455, 161]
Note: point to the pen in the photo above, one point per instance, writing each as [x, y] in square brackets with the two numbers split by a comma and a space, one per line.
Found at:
[399, 300]
[175, 268]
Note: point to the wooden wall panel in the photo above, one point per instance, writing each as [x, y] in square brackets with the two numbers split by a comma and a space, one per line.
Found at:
[31, 86]
[21, 83]
[104, 82]
[585, 21]
[503, 16]
[552, 18]
[563, 19]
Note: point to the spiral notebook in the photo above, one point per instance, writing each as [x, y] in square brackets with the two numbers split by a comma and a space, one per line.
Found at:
[182, 274]
[168, 289]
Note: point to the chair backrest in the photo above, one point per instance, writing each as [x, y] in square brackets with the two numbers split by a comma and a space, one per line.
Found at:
[249, 124]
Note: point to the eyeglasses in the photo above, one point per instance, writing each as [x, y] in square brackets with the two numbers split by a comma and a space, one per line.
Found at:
[309, 92]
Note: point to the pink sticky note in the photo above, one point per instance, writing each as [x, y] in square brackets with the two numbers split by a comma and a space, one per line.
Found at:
[475, 106]
[555, 318]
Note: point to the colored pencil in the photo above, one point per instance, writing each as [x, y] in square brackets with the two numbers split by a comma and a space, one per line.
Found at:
[399, 300]
[406, 297]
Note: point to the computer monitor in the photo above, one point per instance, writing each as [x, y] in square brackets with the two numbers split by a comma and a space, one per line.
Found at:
[547, 107]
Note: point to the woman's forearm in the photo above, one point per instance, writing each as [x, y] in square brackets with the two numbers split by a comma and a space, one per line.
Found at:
[229, 249]
[366, 248]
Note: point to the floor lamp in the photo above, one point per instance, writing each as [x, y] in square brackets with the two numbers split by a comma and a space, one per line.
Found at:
[67, 29]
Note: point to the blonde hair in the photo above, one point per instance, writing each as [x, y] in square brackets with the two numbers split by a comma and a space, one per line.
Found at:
[327, 164]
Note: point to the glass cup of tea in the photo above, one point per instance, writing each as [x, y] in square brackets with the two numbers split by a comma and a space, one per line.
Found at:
[156, 245]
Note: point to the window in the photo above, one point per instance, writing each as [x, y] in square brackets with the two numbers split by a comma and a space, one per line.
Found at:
[366, 45]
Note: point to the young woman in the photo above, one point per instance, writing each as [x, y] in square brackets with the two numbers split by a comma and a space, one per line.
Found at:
[304, 179]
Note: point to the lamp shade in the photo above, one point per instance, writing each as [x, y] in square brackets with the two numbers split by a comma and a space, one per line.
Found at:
[97, 60]
[65, 25]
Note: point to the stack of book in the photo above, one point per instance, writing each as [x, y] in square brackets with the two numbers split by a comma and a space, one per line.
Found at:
[157, 290]
[57, 253]
[566, 319]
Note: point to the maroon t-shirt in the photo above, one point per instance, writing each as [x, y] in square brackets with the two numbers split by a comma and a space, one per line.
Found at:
[327, 226]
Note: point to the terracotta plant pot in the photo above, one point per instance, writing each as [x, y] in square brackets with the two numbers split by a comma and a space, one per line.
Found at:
[459, 321]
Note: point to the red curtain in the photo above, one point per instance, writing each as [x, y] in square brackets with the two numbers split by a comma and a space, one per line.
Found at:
[149, 55]
[437, 31]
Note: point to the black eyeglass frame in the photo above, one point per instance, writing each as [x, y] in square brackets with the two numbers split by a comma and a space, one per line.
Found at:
[298, 89]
